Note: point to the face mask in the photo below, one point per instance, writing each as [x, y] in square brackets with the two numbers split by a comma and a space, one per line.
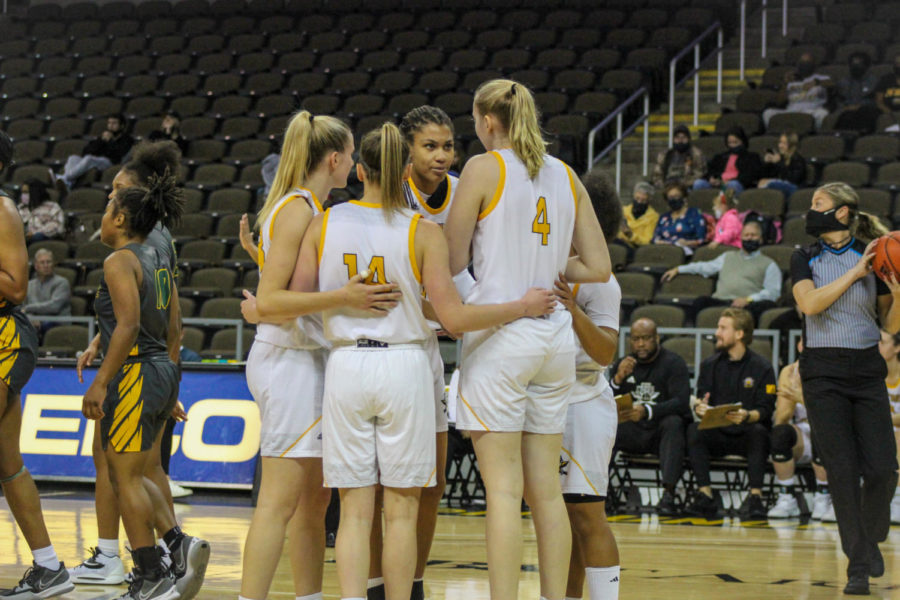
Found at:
[719, 212]
[681, 147]
[857, 70]
[736, 149]
[675, 203]
[750, 245]
[638, 209]
[24, 197]
[818, 223]
[805, 69]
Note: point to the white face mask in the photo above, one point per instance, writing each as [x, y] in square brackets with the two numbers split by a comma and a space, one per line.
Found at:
[719, 212]
[24, 197]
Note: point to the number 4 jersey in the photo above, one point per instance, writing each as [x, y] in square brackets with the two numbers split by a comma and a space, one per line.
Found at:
[357, 236]
[522, 239]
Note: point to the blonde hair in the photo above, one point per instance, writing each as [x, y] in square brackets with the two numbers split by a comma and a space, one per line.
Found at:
[513, 105]
[863, 225]
[742, 321]
[383, 154]
[307, 140]
[793, 140]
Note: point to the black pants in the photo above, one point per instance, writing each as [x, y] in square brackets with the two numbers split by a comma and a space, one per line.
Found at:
[665, 440]
[755, 308]
[750, 441]
[165, 445]
[849, 414]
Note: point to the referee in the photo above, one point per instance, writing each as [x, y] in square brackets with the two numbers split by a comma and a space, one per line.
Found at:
[843, 374]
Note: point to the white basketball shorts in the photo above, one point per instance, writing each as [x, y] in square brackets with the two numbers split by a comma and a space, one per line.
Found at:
[587, 445]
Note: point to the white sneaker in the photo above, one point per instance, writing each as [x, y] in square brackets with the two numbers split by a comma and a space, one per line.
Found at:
[821, 504]
[99, 569]
[785, 508]
[828, 515]
[895, 511]
[178, 491]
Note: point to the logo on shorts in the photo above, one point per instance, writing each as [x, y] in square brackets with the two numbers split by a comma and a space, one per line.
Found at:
[748, 383]
[563, 466]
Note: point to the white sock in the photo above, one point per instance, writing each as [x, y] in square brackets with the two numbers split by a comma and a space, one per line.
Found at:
[897, 494]
[603, 582]
[787, 482]
[242, 597]
[573, 598]
[46, 557]
[316, 596]
[374, 582]
[423, 579]
[109, 547]
[354, 598]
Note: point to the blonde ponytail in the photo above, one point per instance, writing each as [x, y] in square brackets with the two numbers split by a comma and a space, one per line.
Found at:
[513, 105]
[867, 227]
[386, 148]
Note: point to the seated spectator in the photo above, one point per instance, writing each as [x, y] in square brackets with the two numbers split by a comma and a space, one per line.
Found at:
[100, 153]
[49, 294]
[737, 168]
[734, 375]
[683, 162]
[728, 221]
[683, 225]
[640, 218]
[659, 384]
[747, 279]
[805, 91]
[170, 129]
[887, 95]
[855, 96]
[792, 445]
[783, 169]
[42, 216]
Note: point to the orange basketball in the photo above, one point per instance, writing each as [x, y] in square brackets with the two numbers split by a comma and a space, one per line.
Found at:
[887, 256]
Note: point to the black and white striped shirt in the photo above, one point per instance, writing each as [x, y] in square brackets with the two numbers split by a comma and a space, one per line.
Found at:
[852, 320]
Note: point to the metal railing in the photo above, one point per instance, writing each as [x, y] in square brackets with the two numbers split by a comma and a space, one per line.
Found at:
[618, 115]
[764, 30]
[695, 71]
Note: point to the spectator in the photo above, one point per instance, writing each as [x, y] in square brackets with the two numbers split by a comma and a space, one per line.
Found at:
[805, 91]
[747, 279]
[640, 218]
[683, 162]
[658, 382]
[728, 222]
[269, 168]
[736, 168]
[170, 129]
[856, 96]
[783, 169]
[42, 216]
[100, 153]
[887, 94]
[49, 294]
[735, 374]
[682, 226]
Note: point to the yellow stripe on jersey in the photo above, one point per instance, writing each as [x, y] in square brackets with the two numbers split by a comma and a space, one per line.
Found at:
[315, 200]
[413, 224]
[572, 185]
[586, 478]
[260, 255]
[287, 201]
[575, 289]
[9, 346]
[365, 204]
[126, 432]
[322, 235]
[302, 435]
[500, 183]
[423, 204]
[475, 414]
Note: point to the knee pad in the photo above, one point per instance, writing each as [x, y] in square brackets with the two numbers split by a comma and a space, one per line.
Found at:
[783, 437]
[14, 476]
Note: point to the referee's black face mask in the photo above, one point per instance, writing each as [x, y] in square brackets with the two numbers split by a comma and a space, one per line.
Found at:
[818, 222]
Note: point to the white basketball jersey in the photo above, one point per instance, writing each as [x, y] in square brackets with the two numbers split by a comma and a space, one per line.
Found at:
[419, 201]
[523, 238]
[357, 236]
[304, 332]
[601, 303]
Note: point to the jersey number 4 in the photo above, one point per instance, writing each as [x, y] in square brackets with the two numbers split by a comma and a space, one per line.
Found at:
[376, 268]
[541, 225]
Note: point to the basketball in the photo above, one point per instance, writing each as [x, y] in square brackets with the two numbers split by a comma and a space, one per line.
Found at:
[887, 256]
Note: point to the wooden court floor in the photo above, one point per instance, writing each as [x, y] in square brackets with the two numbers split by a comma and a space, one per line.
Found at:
[670, 560]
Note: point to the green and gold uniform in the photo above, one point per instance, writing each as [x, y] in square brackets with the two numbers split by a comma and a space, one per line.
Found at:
[142, 394]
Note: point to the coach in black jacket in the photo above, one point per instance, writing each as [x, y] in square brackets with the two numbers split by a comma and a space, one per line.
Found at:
[659, 384]
[735, 374]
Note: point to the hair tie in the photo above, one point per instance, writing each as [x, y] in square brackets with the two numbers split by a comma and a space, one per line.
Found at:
[512, 90]
[311, 117]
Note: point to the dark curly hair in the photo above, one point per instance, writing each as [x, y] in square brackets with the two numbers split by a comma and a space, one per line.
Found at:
[421, 116]
[144, 207]
[153, 158]
[606, 203]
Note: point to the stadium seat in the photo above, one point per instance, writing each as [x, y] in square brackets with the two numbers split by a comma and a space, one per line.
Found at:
[662, 315]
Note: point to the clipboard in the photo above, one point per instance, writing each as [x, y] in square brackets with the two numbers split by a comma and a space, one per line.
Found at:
[715, 416]
[624, 402]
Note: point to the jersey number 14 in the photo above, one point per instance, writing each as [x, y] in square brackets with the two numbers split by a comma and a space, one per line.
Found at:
[376, 268]
[541, 225]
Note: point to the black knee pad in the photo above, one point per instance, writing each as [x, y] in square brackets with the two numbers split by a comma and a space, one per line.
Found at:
[783, 437]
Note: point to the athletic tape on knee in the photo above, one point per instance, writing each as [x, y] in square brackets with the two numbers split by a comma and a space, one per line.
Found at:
[13, 476]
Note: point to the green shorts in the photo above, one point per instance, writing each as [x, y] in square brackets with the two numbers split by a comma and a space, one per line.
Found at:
[18, 350]
[139, 399]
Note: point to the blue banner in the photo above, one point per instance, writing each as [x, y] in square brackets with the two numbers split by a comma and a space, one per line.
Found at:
[215, 447]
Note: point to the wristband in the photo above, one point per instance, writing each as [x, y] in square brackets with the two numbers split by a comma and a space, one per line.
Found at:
[464, 283]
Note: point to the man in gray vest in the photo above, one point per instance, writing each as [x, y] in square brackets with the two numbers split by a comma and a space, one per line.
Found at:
[747, 279]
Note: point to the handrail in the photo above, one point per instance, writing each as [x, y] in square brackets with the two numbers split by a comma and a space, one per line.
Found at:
[695, 46]
[764, 29]
[617, 114]
[91, 322]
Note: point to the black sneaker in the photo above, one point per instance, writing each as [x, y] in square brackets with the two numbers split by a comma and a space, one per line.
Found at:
[667, 505]
[857, 585]
[41, 582]
[753, 508]
[703, 506]
[189, 561]
[418, 591]
[876, 563]
[375, 593]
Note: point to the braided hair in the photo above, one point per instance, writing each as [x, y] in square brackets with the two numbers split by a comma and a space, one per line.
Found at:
[144, 207]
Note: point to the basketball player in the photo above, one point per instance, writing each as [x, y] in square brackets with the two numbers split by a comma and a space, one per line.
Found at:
[378, 419]
[429, 191]
[286, 366]
[104, 566]
[592, 417]
[889, 347]
[136, 386]
[516, 214]
[18, 346]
